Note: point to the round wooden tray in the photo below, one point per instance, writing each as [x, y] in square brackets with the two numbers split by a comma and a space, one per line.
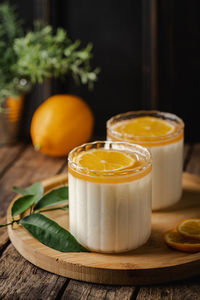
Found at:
[152, 263]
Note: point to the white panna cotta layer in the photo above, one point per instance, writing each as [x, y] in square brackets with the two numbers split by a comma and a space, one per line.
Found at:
[167, 166]
[110, 217]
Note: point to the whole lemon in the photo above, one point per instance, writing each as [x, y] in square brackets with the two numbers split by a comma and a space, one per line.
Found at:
[61, 123]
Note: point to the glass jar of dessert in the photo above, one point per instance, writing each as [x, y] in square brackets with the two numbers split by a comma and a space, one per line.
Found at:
[163, 134]
[110, 194]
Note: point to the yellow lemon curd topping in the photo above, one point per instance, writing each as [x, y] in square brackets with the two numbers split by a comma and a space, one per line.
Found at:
[107, 166]
[145, 130]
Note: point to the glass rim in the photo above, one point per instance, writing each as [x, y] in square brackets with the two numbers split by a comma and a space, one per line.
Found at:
[134, 148]
[156, 113]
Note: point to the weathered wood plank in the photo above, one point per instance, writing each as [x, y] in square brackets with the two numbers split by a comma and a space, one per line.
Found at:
[3, 235]
[9, 154]
[193, 165]
[64, 168]
[19, 279]
[32, 166]
[81, 290]
[186, 291]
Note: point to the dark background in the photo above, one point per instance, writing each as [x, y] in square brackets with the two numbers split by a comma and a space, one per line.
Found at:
[148, 52]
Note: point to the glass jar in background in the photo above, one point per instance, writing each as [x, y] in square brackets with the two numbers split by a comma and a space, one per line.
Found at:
[163, 134]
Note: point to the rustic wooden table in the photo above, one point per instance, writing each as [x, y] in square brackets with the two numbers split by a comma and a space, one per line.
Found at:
[20, 165]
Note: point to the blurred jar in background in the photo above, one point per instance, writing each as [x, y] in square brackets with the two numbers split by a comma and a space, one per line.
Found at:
[162, 133]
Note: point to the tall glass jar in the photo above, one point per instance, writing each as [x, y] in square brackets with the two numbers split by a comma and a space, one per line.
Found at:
[166, 150]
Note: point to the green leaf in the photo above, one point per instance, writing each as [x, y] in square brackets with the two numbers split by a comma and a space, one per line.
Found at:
[35, 189]
[22, 204]
[52, 198]
[19, 190]
[51, 234]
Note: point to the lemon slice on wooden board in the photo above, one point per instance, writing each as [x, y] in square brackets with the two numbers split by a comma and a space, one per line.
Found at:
[146, 127]
[105, 160]
[190, 228]
[175, 240]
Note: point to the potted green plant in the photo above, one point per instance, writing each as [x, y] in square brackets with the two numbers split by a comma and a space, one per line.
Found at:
[10, 85]
[30, 58]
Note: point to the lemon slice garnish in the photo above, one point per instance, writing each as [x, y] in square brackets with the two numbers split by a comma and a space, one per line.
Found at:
[190, 228]
[146, 127]
[105, 160]
[175, 240]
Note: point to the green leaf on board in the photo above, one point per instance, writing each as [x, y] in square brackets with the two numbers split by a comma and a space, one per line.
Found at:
[22, 204]
[19, 190]
[51, 234]
[65, 208]
[35, 189]
[54, 197]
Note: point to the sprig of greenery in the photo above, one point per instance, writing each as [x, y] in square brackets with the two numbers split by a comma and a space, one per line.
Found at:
[10, 28]
[42, 54]
[38, 55]
[39, 226]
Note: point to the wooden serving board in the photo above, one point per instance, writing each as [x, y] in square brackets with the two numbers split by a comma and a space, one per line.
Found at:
[152, 263]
